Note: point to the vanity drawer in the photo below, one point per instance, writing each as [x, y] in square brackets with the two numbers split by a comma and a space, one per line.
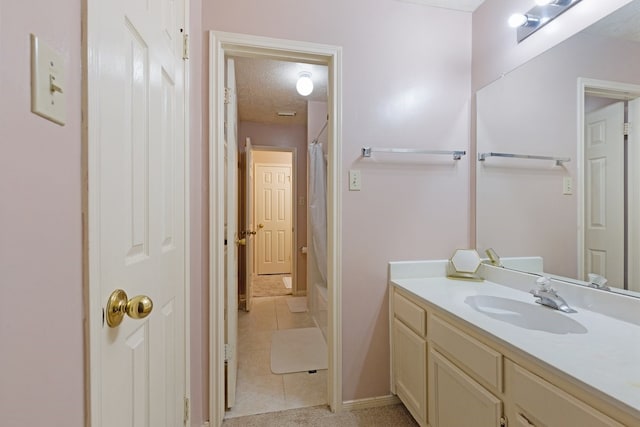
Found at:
[412, 315]
[478, 359]
[545, 404]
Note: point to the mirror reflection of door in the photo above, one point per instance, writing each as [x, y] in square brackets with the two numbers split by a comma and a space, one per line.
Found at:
[609, 191]
[605, 193]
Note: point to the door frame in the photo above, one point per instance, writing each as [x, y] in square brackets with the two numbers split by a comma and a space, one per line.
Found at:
[614, 90]
[220, 44]
[294, 204]
[90, 263]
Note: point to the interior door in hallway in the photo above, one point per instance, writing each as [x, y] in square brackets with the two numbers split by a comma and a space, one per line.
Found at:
[273, 215]
[136, 212]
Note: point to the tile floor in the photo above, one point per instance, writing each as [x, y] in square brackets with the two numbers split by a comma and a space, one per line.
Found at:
[258, 389]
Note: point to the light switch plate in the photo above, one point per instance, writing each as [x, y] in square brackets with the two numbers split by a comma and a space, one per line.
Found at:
[48, 90]
[355, 180]
[567, 185]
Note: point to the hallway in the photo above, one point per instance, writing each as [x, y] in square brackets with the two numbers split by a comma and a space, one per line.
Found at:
[258, 389]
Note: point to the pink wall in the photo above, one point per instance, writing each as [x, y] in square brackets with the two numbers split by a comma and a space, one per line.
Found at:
[292, 136]
[41, 355]
[521, 209]
[495, 49]
[406, 82]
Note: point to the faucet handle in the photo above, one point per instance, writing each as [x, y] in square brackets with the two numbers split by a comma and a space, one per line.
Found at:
[598, 280]
[544, 283]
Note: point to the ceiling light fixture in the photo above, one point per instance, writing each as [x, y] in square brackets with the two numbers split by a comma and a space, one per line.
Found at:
[544, 12]
[517, 20]
[304, 86]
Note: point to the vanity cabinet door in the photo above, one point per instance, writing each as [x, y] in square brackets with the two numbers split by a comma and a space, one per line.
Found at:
[545, 405]
[456, 399]
[522, 421]
[410, 370]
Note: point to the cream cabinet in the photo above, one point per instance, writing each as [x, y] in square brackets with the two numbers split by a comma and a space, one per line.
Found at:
[410, 355]
[456, 399]
[449, 375]
[537, 402]
[409, 352]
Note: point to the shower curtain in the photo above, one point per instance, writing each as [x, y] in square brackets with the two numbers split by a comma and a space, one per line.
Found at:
[318, 206]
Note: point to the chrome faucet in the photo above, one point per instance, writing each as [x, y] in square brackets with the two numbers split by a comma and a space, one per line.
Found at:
[598, 282]
[548, 296]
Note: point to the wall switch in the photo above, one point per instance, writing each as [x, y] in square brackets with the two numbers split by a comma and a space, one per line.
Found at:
[48, 97]
[567, 185]
[355, 182]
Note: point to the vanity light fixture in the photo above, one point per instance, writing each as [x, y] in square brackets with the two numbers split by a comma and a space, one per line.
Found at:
[544, 12]
[304, 86]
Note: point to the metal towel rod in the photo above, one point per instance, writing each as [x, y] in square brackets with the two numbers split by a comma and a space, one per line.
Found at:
[457, 154]
[559, 160]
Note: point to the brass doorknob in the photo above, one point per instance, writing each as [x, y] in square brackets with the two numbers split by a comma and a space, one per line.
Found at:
[119, 304]
[260, 225]
[241, 242]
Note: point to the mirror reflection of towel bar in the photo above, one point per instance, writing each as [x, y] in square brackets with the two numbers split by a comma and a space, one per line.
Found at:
[559, 160]
[457, 154]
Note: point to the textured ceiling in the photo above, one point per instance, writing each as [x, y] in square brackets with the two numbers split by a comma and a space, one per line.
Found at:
[622, 23]
[267, 86]
[464, 5]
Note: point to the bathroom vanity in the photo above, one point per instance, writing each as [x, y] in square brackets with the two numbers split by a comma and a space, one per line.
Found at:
[485, 354]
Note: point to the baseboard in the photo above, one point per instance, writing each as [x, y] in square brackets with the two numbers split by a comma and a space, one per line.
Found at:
[371, 402]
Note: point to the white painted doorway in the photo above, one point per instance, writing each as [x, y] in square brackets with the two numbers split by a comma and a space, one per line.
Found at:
[136, 206]
[221, 46]
[232, 239]
[609, 183]
[273, 214]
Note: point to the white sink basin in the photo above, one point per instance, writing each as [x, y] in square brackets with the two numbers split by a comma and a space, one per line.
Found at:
[525, 315]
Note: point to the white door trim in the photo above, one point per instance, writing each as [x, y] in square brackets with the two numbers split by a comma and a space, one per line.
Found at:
[221, 43]
[90, 264]
[604, 87]
[294, 207]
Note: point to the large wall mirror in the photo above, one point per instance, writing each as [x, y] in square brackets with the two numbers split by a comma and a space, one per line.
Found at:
[581, 216]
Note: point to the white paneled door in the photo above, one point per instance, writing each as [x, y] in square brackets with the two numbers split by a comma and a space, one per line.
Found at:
[273, 215]
[604, 194]
[136, 212]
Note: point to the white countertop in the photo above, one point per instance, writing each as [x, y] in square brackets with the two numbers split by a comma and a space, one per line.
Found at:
[596, 350]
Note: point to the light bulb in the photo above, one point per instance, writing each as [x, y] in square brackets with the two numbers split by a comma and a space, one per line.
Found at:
[517, 20]
[304, 86]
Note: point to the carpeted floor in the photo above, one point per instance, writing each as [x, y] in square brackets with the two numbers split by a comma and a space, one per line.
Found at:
[321, 416]
[269, 286]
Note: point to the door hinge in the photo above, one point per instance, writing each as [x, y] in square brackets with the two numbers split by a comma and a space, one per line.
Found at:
[187, 410]
[227, 352]
[185, 46]
[626, 129]
[227, 95]
[503, 422]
